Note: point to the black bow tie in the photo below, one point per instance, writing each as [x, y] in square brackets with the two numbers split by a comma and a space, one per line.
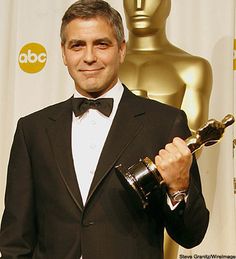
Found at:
[81, 105]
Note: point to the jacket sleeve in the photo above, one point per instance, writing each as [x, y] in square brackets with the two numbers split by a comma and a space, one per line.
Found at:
[187, 224]
[18, 231]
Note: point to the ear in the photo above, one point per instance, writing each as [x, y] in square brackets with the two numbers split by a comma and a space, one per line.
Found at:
[63, 54]
[122, 51]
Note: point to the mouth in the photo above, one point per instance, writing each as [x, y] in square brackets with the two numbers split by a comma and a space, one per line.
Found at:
[140, 17]
[90, 72]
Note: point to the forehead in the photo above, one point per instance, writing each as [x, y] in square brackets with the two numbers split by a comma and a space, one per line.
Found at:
[89, 28]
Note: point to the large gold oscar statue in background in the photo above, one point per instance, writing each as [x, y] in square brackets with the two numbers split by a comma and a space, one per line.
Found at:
[156, 69]
[159, 70]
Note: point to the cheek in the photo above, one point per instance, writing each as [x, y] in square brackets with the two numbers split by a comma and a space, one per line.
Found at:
[114, 63]
[112, 58]
[103, 56]
[72, 59]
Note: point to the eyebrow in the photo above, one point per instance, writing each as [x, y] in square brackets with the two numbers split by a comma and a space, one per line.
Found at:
[72, 42]
[82, 42]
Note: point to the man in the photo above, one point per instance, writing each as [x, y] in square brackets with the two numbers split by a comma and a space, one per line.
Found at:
[63, 199]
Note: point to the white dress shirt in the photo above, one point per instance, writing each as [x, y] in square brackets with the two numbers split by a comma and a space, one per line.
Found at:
[89, 133]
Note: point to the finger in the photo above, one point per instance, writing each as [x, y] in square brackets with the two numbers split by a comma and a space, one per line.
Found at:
[166, 158]
[181, 146]
[174, 153]
[159, 163]
[171, 148]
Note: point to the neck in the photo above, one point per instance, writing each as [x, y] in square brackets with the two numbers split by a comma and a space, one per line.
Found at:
[150, 42]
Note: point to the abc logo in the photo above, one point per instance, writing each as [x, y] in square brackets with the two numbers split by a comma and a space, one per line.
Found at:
[32, 58]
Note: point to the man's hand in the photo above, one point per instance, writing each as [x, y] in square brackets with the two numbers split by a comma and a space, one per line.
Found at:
[174, 164]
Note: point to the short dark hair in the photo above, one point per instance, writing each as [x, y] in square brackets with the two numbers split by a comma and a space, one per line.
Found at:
[87, 9]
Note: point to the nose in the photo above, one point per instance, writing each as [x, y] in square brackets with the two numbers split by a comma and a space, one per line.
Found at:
[140, 4]
[89, 55]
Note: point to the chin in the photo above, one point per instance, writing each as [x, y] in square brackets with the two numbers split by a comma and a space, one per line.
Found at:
[95, 92]
[141, 31]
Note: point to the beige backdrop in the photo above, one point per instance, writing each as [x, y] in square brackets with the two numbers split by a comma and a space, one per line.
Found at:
[203, 27]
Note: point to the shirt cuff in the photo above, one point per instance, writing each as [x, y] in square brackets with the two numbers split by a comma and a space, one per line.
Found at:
[173, 207]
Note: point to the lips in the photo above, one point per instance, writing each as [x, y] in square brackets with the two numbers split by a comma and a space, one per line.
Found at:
[90, 72]
[140, 17]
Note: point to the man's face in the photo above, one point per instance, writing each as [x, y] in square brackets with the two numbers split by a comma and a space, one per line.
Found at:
[92, 55]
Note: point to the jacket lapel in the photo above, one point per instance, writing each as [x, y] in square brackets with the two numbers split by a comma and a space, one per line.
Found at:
[59, 133]
[125, 127]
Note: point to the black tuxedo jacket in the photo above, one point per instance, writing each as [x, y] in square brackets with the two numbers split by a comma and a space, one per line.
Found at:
[44, 216]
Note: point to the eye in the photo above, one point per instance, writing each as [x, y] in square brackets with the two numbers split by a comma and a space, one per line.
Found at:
[76, 46]
[103, 45]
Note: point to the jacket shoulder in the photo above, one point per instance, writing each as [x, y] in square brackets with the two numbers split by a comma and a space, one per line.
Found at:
[50, 111]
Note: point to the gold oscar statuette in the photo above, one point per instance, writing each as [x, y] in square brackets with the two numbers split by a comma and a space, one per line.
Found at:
[142, 178]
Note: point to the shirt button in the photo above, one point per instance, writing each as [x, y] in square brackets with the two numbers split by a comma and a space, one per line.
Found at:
[92, 146]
